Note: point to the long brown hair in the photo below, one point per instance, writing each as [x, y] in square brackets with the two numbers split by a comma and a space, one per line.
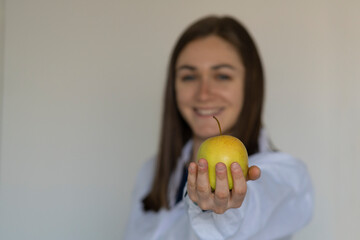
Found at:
[176, 132]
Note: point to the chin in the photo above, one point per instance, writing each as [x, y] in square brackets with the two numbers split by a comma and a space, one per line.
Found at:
[206, 134]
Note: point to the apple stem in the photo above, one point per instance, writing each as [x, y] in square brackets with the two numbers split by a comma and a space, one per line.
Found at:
[218, 124]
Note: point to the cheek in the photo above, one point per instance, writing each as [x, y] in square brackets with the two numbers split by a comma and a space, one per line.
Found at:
[180, 99]
[183, 95]
[235, 100]
[238, 101]
[183, 100]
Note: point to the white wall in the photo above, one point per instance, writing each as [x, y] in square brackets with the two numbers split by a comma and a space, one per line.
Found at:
[2, 31]
[83, 84]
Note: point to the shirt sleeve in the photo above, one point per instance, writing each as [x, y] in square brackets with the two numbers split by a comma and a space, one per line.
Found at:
[275, 206]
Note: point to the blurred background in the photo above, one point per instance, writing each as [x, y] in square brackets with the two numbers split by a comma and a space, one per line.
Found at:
[81, 89]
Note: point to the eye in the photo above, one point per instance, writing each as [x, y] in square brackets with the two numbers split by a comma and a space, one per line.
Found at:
[187, 78]
[223, 77]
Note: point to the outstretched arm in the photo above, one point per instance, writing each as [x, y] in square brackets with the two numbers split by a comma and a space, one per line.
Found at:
[276, 205]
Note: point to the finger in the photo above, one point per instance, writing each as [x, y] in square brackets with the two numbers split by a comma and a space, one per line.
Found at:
[222, 192]
[191, 182]
[239, 189]
[202, 182]
[254, 173]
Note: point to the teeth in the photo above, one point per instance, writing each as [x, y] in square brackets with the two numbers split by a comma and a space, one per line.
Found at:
[207, 112]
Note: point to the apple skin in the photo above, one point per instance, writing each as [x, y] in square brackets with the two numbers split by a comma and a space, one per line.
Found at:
[226, 149]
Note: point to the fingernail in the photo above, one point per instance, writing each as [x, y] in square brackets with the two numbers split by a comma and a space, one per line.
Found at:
[220, 167]
[235, 165]
[191, 167]
[202, 164]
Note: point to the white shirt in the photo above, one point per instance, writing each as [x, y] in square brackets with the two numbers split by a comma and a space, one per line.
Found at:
[275, 206]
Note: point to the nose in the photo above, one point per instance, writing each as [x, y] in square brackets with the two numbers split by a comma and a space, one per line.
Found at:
[204, 90]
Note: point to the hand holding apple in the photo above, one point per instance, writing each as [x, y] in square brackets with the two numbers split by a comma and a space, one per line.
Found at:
[226, 149]
[221, 199]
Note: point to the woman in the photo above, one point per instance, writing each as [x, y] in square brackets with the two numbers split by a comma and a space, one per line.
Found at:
[215, 70]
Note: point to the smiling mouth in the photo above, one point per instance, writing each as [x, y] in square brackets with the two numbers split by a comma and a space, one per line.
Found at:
[208, 112]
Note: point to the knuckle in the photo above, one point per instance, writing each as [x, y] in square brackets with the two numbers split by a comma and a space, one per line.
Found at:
[202, 189]
[240, 192]
[236, 174]
[221, 176]
[222, 195]
[203, 205]
[243, 190]
[236, 170]
[219, 210]
[237, 205]
[237, 191]
[191, 185]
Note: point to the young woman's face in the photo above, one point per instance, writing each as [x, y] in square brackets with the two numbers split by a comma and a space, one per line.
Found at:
[209, 82]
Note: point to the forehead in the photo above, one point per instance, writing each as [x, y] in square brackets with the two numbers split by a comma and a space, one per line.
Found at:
[208, 51]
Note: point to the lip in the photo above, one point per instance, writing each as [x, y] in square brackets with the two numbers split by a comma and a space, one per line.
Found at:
[208, 112]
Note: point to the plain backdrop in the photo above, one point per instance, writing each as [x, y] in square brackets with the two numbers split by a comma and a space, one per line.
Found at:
[81, 89]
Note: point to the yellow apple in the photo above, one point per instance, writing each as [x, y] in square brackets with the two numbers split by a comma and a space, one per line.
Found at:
[226, 149]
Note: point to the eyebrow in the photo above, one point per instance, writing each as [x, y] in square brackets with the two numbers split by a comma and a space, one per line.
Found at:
[186, 67]
[216, 67]
[223, 66]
